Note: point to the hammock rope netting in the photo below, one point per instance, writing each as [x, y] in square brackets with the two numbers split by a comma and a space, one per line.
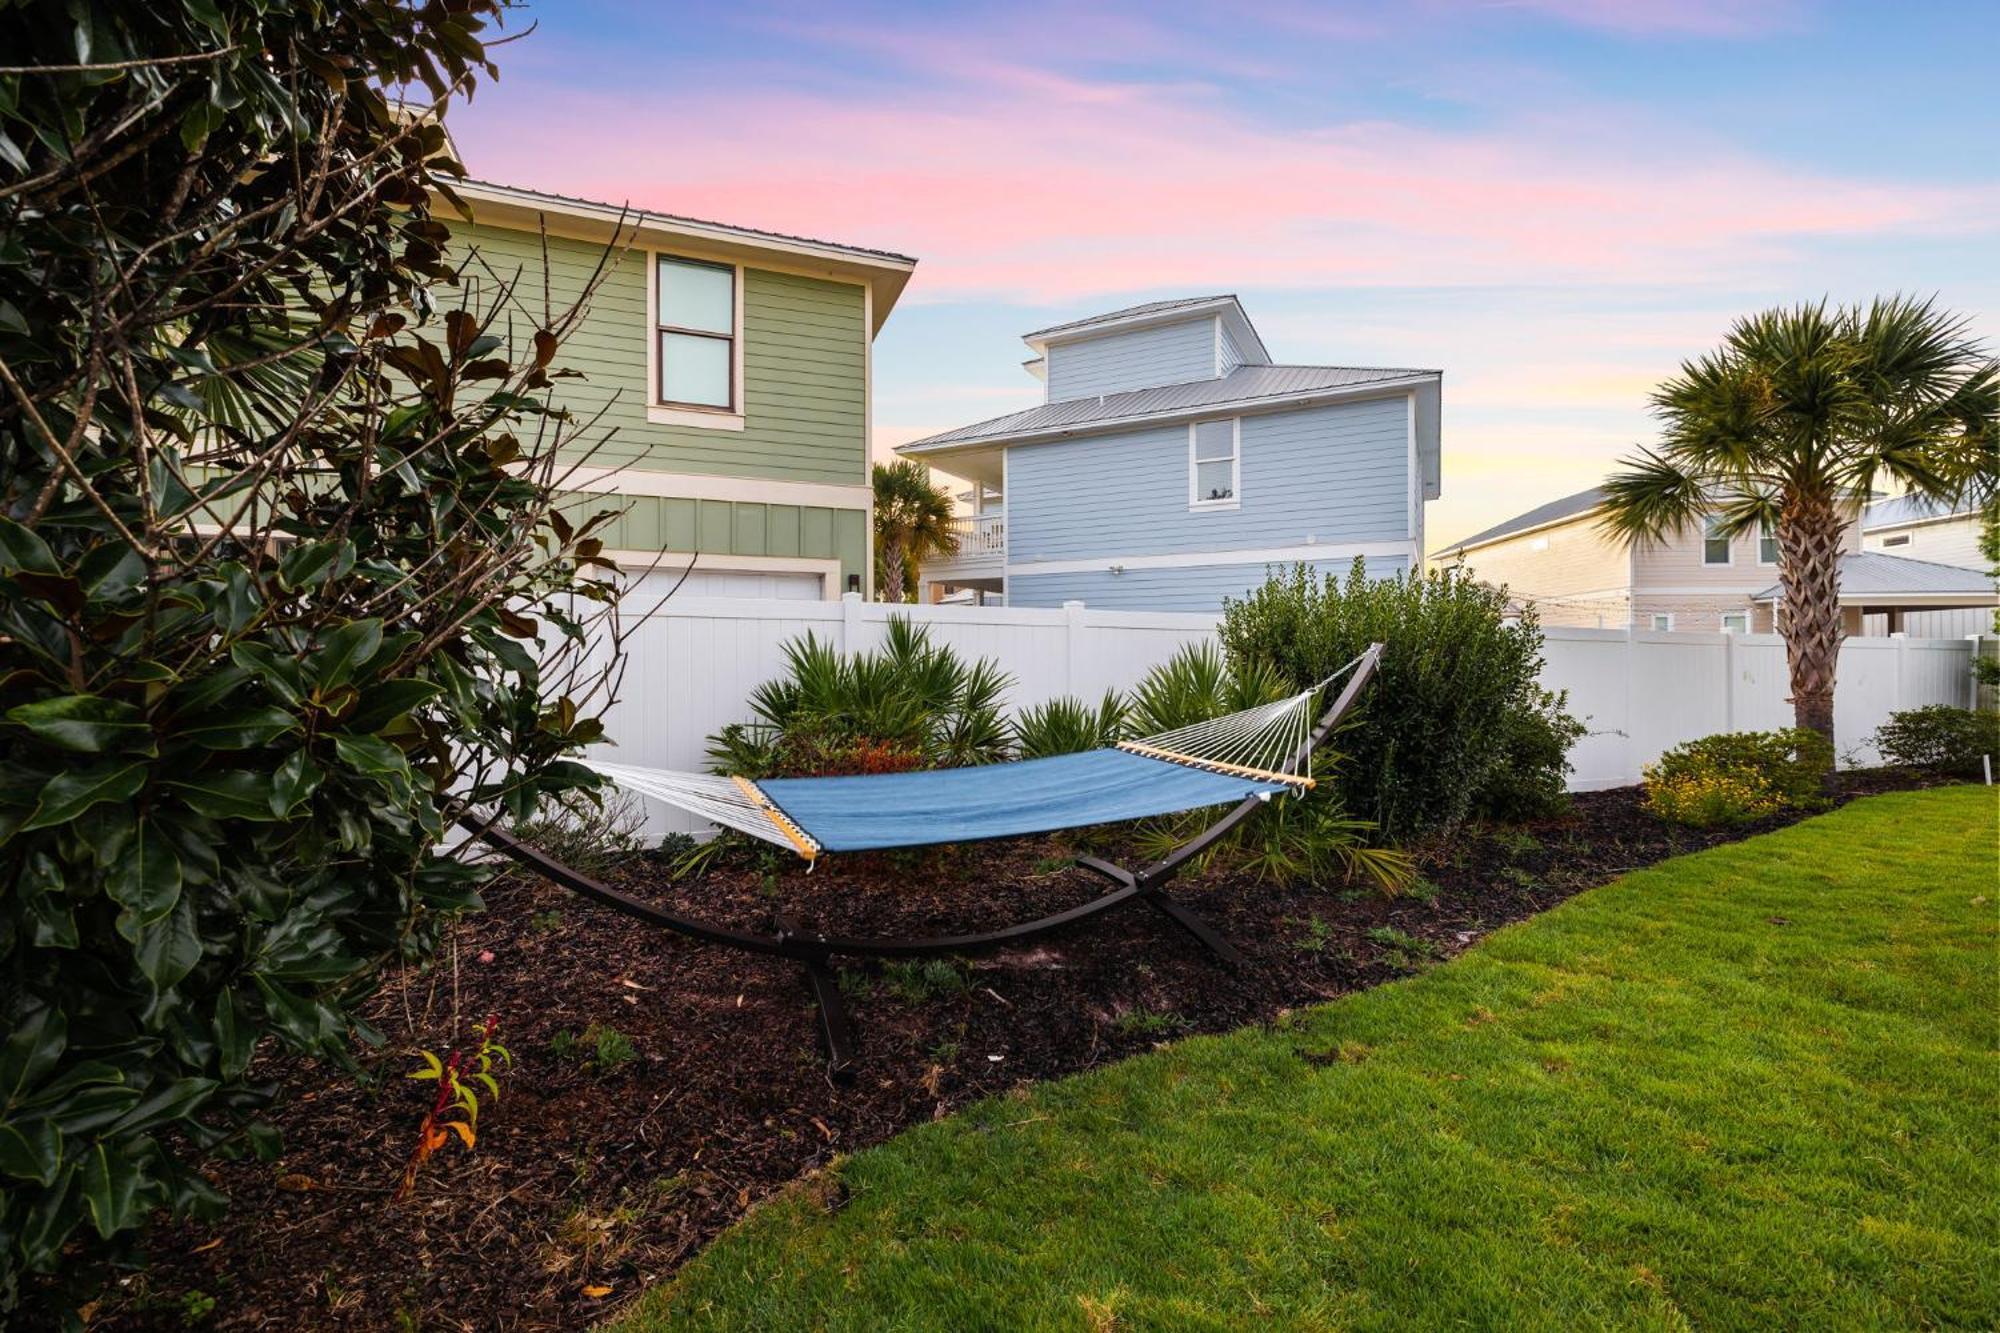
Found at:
[1262, 751]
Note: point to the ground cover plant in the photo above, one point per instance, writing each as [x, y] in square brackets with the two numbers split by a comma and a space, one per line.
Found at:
[1735, 776]
[275, 531]
[593, 1178]
[1746, 1088]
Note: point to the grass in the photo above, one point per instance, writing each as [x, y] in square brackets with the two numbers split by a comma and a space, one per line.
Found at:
[1746, 1088]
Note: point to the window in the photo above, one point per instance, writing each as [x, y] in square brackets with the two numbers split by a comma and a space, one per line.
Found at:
[697, 333]
[1736, 622]
[1714, 545]
[1900, 539]
[1215, 464]
[1663, 621]
[1767, 543]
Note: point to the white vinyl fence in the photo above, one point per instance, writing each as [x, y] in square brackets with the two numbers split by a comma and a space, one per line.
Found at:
[693, 662]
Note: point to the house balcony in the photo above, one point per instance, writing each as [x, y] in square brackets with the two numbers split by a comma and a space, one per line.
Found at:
[981, 562]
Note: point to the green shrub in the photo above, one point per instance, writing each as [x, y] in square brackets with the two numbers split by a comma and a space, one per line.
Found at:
[1940, 738]
[281, 587]
[1445, 712]
[910, 704]
[1198, 683]
[1711, 798]
[1069, 726]
[1736, 776]
[1531, 780]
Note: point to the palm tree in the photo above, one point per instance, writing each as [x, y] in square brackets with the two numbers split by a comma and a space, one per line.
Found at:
[1792, 422]
[912, 524]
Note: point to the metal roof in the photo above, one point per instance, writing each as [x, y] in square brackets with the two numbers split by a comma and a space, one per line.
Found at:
[1130, 312]
[1872, 574]
[1244, 386]
[1554, 511]
[638, 214]
[1911, 509]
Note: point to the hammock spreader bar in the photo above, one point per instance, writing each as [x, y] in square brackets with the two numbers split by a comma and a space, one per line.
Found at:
[814, 950]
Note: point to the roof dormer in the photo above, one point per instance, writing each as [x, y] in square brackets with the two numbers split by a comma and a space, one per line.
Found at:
[1144, 346]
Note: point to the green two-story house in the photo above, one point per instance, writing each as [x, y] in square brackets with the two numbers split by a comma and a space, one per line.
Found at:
[730, 369]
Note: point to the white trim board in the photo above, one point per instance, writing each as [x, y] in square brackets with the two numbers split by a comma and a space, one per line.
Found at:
[1198, 559]
[673, 563]
[699, 486]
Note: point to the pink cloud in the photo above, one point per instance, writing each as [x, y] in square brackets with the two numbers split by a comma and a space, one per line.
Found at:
[1703, 18]
[1016, 180]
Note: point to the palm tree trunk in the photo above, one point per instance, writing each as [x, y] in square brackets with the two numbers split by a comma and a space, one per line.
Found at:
[1811, 532]
[892, 569]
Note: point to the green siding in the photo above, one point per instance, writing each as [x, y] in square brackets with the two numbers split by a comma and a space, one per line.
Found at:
[802, 398]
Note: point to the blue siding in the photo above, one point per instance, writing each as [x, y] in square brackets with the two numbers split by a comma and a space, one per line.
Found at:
[1165, 354]
[1331, 475]
[1232, 355]
[1195, 588]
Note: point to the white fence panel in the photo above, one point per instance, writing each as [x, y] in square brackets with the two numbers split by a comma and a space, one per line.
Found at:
[693, 663]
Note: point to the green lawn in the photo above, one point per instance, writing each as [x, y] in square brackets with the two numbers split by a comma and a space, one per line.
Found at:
[1753, 1087]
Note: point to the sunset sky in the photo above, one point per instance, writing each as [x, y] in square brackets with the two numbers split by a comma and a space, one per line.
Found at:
[1553, 201]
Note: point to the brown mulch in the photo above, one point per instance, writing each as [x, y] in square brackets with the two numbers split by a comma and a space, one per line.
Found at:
[588, 1183]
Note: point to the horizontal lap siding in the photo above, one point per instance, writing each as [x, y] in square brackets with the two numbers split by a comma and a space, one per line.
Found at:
[728, 527]
[804, 350]
[1193, 588]
[1171, 354]
[1323, 475]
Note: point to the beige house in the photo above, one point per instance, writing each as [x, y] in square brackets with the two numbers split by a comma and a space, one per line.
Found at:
[1559, 559]
[1918, 529]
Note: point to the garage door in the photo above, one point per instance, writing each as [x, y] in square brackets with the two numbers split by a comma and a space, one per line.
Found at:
[728, 583]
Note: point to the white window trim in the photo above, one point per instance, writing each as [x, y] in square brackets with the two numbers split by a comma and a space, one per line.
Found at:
[1728, 616]
[1728, 547]
[1196, 504]
[1667, 616]
[1760, 543]
[681, 414]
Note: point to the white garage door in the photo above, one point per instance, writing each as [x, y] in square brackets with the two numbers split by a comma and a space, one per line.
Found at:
[649, 588]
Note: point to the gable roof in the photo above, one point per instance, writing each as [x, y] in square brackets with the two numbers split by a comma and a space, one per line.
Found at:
[1570, 506]
[1129, 312]
[1874, 574]
[1224, 306]
[1912, 509]
[1246, 386]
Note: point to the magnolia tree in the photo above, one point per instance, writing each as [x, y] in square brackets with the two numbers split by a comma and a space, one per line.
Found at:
[282, 593]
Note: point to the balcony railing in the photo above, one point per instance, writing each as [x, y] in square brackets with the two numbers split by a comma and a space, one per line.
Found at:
[981, 535]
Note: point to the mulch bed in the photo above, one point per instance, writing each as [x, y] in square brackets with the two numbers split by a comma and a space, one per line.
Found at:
[590, 1182]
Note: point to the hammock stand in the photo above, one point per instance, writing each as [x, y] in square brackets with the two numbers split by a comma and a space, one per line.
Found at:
[814, 950]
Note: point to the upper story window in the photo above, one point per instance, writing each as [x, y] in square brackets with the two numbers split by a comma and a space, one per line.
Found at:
[1900, 539]
[1215, 463]
[1714, 543]
[1735, 622]
[1767, 543]
[696, 317]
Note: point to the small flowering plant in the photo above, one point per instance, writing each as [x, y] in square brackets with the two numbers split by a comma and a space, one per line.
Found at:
[455, 1108]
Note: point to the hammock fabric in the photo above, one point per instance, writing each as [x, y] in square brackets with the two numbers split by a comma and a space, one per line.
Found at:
[1247, 758]
[1259, 751]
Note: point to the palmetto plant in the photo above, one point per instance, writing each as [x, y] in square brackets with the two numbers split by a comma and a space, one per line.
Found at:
[1196, 684]
[1793, 421]
[1066, 725]
[912, 524]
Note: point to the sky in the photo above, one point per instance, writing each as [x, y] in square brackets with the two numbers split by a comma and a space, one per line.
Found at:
[1554, 202]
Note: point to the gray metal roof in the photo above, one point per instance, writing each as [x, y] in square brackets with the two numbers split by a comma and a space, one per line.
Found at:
[1129, 312]
[1872, 574]
[1567, 507]
[1911, 509]
[1241, 387]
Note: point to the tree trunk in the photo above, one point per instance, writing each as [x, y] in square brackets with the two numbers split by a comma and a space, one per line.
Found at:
[1811, 537]
[892, 570]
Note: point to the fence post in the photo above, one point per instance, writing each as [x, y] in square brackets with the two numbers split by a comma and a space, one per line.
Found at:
[1728, 681]
[850, 622]
[1072, 643]
[1902, 672]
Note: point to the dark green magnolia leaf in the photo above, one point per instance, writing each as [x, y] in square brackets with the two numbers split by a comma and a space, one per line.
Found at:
[22, 551]
[383, 703]
[372, 755]
[297, 778]
[235, 1036]
[145, 881]
[283, 676]
[168, 949]
[311, 562]
[232, 794]
[113, 1186]
[111, 571]
[50, 1219]
[31, 1050]
[345, 651]
[68, 795]
[85, 723]
[31, 1149]
[167, 1102]
[243, 729]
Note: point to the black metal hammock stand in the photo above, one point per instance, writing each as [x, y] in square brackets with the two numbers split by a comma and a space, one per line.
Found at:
[1194, 767]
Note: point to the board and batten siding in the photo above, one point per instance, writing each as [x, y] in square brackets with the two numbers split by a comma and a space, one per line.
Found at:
[1182, 588]
[803, 398]
[1330, 475]
[1139, 359]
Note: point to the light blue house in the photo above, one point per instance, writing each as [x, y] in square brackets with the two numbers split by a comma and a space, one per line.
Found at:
[1171, 462]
